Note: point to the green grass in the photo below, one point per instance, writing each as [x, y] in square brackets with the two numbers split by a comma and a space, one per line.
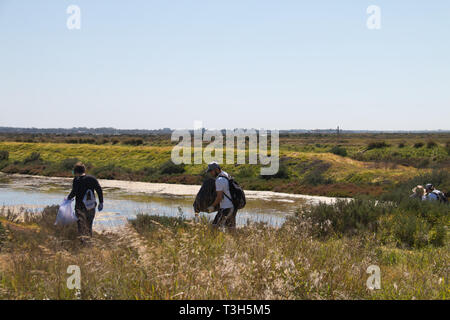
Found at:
[308, 172]
[131, 157]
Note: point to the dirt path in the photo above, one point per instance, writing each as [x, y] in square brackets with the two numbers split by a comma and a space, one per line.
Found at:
[128, 235]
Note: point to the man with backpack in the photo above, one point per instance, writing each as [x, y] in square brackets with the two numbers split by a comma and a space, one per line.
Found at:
[230, 197]
[85, 202]
[432, 194]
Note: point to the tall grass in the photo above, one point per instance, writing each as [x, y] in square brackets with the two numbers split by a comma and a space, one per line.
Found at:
[166, 258]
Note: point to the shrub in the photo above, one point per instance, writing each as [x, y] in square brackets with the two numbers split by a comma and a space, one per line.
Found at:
[340, 151]
[283, 173]
[149, 172]
[33, 157]
[134, 142]
[69, 163]
[431, 144]
[377, 145]
[415, 223]
[412, 223]
[4, 155]
[418, 145]
[47, 228]
[345, 217]
[145, 224]
[3, 164]
[409, 230]
[112, 172]
[423, 163]
[315, 178]
[245, 172]
[171, 168]
[314, 172]
[401, 145]
[87, 141]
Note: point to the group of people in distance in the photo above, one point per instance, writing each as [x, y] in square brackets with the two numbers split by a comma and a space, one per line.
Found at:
[428, 193]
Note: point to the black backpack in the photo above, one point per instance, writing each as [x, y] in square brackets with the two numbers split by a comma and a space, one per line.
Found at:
[237, 193]
[441, 196]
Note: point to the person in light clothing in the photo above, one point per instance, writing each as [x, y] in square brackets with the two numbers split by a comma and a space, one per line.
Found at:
[431, 194]
[226, 216]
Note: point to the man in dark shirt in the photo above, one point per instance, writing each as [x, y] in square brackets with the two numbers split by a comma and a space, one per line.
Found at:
[85, 202]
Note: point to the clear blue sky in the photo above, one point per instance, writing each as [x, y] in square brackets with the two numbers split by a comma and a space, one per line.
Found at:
[229, 63]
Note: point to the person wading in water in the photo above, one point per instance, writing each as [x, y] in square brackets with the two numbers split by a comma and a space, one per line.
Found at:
[85, 202]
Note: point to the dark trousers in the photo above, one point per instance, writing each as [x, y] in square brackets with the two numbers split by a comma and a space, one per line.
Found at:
[85, 221]
[225, 218]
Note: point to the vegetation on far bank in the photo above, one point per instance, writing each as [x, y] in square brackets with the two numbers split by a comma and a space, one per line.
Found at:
[344, 165]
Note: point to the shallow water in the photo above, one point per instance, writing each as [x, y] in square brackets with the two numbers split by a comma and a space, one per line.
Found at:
[34, 193]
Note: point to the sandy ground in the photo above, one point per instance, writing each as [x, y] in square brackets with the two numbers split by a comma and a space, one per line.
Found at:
[164, 189]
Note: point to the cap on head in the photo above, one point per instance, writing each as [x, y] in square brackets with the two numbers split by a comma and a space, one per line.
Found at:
[213, 166]
[429, 186]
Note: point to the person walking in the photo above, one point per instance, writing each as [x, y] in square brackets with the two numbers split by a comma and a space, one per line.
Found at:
[226, 216]
[433, 194]
[85, 202]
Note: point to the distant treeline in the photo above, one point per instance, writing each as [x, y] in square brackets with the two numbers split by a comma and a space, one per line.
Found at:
[124, 139]
[83, 130]
[114, 131]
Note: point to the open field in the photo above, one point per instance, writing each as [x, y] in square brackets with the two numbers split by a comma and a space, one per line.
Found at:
[330, 165]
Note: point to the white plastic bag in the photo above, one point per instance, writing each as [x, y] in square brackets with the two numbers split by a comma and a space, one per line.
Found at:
[66, 215]
[89, 200]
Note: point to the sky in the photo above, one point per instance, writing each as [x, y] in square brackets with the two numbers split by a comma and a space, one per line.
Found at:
[235, 63]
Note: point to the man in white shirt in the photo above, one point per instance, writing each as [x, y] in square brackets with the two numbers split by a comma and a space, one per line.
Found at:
[431, 194]
[226, 216]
